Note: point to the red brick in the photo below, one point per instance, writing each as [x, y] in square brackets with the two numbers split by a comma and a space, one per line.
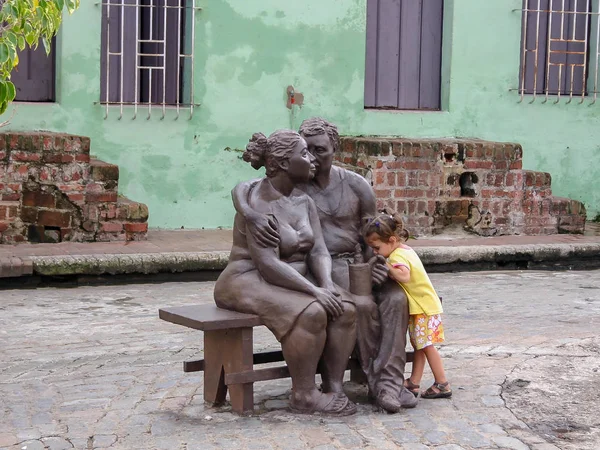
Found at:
[70, 187]
[57, 158]
[75, 197]
[136, 227]
[518, 165]
[54, 218]
[29, 215]
[383, 193]
[510, 179]
[529, 178]
[3, 227]
[94, 187]
[501, 165]
[476, 164]
[101, 197]
[423, 178]
[401, 179]
[412, 179]
[3, 155]
[11, 197]
[112, 227]
[391, 178]
[82, 158]
[48, 143]
[39, 198]
[401, 206]
[379, 178]
[411, 206]
[415, 193]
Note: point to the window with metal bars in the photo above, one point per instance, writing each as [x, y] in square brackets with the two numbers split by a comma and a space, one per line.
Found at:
[556, 45]
[147, 54]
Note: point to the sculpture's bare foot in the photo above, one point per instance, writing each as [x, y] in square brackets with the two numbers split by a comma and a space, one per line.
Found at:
[319, 403]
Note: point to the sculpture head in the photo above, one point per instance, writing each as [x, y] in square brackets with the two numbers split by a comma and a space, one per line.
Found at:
[283, 150]
[323, 141]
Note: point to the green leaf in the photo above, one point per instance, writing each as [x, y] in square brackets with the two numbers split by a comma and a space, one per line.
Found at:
[12, 37]
[11, 92]
[3, 107]
[60, 4]
[31, 39]
[3, 92]
[21, 42]
[4, 53]
[47, 45]
[72, 5]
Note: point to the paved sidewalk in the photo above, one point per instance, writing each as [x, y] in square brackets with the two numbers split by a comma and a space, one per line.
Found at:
[194, 250]
[95, 368]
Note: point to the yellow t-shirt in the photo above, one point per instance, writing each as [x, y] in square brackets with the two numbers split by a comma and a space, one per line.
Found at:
[422, 298]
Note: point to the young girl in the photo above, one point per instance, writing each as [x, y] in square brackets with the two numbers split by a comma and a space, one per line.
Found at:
[386, 235]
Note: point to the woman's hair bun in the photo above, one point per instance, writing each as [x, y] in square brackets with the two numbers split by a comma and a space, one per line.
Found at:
[256, 150]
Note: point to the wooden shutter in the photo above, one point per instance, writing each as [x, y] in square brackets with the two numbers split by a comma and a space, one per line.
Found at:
[34, 76]
[404, 52]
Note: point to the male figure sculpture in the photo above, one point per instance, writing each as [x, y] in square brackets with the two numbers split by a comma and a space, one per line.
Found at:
[343, 199]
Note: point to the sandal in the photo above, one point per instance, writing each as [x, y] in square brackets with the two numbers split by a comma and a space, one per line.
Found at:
[443, 391]
[339, 405]
[412, 387]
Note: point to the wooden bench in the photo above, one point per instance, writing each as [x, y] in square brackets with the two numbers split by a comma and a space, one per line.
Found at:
[229, 357]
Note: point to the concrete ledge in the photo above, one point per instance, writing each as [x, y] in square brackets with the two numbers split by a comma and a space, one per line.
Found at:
[438, 259]
[141, 263]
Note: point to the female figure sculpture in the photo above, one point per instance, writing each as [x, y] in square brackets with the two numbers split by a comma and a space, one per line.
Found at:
[289, 285]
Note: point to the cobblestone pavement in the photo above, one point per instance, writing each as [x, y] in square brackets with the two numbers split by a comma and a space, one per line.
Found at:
[94, 368]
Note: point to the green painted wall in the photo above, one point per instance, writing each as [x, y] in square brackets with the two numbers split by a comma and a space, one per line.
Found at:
[248, 52]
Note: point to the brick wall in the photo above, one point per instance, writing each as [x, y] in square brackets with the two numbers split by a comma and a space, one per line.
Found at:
[475, 185]
[52, 191]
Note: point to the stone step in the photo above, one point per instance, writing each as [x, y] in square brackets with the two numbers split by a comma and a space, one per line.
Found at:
[52, 191]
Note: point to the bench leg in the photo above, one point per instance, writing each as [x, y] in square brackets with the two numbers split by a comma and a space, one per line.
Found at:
[228, 351]
[214, 374]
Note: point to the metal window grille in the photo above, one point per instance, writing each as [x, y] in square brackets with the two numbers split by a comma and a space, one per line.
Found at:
[147, 56]
[559, 49]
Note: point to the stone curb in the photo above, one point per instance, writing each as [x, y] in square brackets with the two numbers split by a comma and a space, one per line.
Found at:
[437, 258]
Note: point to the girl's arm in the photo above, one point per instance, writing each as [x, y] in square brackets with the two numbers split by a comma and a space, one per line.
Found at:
[399, 273]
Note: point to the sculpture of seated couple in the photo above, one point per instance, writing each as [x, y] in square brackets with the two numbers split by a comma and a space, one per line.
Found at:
[295, 239]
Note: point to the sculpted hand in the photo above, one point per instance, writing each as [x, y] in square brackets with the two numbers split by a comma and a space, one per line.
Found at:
[380, 270]
[264, 229]
[331, 301]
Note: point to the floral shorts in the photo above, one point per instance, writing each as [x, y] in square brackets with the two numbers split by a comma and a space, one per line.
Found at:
[425, 330]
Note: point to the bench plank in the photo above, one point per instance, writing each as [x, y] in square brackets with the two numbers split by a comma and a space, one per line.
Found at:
[208, 317]
[252, 376]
